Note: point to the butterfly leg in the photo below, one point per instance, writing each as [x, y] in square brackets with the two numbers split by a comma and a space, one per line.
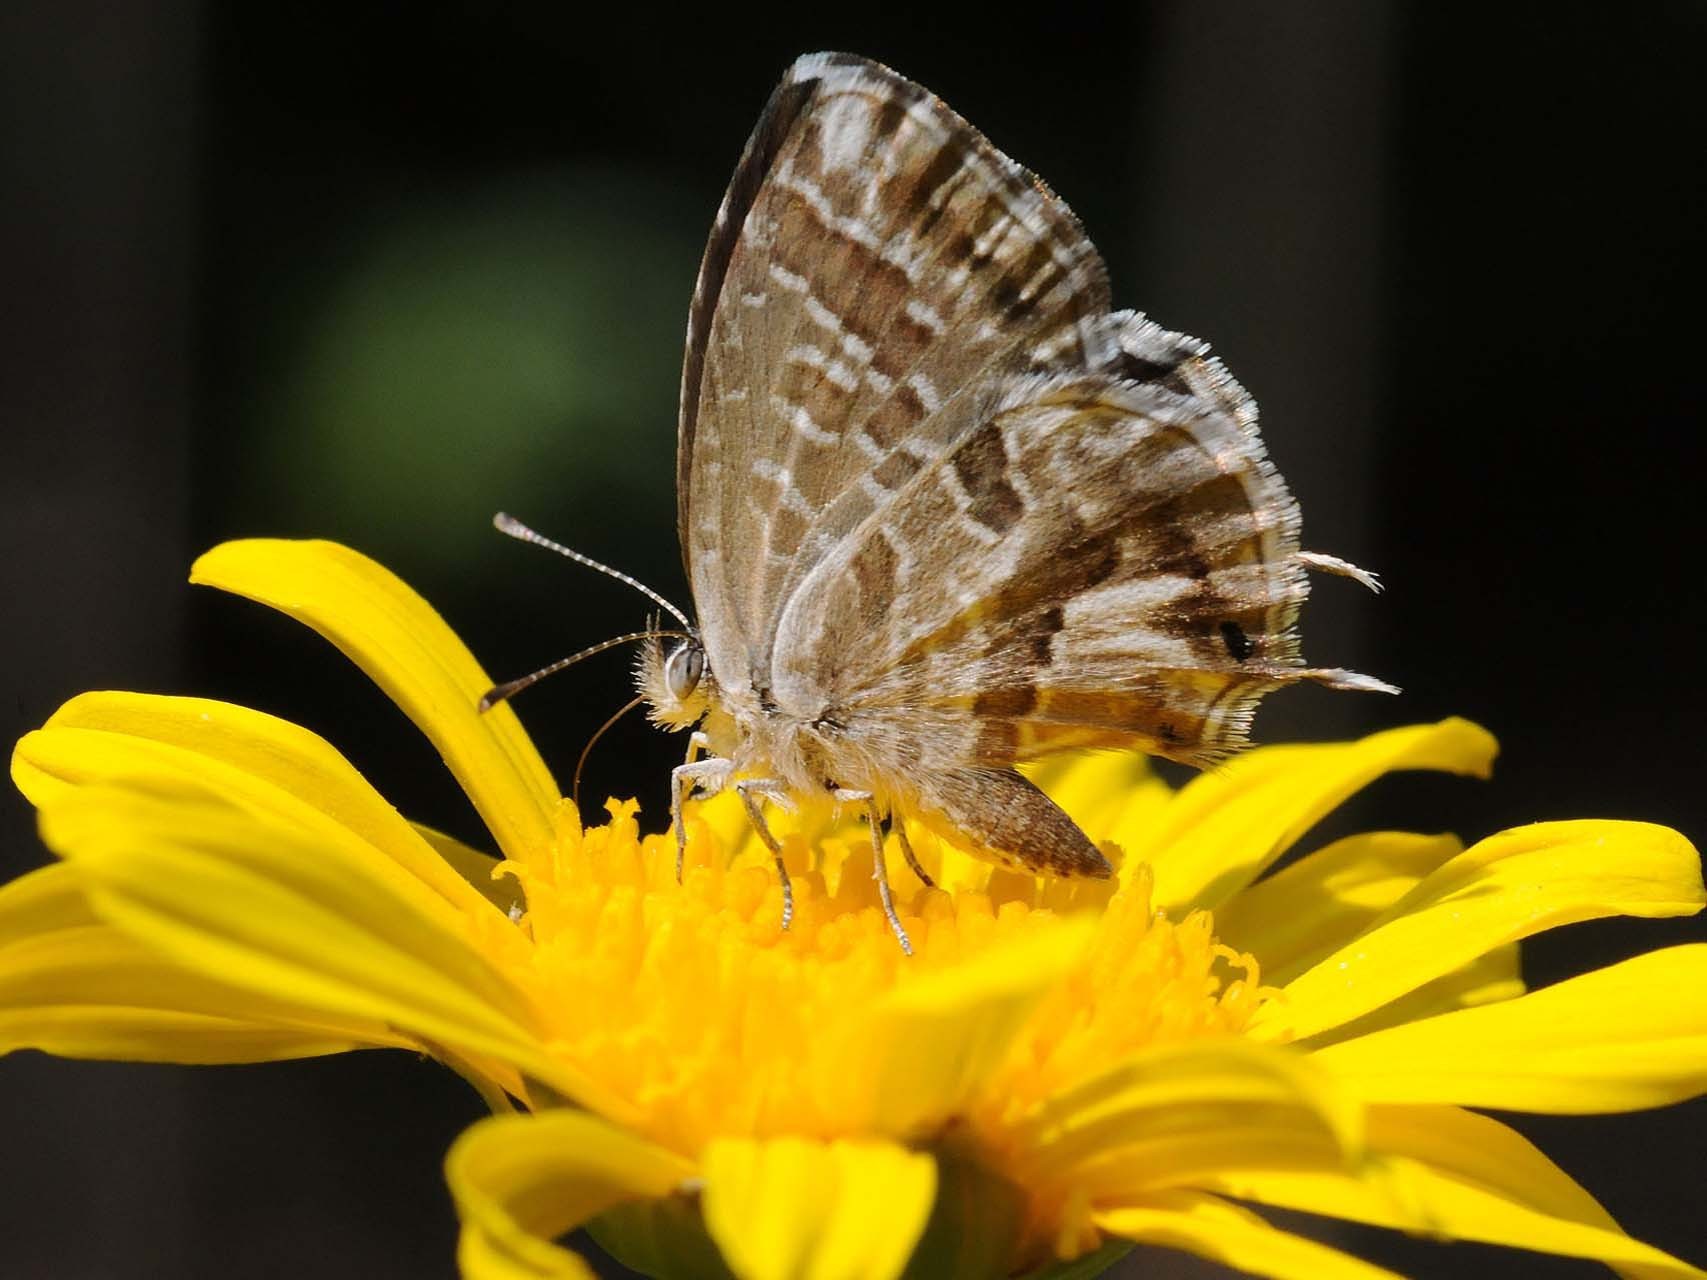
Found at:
[697, 742]
[879, 866]
[907, 852]
[750, 790]
[710, 776]
[880, 873]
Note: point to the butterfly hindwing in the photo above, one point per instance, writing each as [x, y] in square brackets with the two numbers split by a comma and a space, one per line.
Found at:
[1101, 562]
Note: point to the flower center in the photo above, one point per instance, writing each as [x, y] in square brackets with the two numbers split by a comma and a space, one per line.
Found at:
[692, 1002]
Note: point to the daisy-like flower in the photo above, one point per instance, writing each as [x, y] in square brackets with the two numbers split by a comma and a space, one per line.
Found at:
[1062, 1068]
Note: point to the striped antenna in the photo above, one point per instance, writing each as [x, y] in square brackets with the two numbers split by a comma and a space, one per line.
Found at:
[510, 688]
[508, 524]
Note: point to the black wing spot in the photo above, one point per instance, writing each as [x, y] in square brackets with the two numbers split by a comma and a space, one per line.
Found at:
[1161, 374]
[1237, 642]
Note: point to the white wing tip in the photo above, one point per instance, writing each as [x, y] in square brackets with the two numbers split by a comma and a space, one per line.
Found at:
[1343, 568]
[1351, 681]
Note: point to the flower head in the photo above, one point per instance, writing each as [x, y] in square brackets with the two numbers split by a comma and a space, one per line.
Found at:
[1061, 1066]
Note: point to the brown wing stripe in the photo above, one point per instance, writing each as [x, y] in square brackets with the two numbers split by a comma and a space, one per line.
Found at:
[982, 465]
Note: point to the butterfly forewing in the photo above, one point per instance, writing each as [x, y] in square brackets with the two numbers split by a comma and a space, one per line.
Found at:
[875, 260]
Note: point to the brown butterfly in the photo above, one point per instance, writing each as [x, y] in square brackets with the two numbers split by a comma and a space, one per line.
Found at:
[942, 510]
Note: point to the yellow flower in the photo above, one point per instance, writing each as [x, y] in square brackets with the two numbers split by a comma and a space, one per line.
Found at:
[1061, 1068]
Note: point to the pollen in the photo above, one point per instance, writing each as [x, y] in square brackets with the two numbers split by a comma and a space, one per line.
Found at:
[1144, 982]
[691, 1001]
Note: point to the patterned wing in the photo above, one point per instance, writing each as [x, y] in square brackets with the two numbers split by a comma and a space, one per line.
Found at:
[875, 264]
[1106, 559]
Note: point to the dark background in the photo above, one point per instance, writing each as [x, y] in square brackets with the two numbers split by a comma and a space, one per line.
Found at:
[371, 272]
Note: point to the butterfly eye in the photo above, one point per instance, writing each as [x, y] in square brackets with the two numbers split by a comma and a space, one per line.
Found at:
[683, 669]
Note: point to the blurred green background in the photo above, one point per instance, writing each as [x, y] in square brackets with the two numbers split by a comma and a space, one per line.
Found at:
[372, 272]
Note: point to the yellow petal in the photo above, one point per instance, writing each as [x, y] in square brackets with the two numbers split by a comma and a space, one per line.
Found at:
[1170, 1115]
[1499, 891]
[1212, 1228]
[1628, 1036]
[520, 1181]
[1462, 1176]
[477, 870]
[926, 1049]
[1229, 823]
[794, 1209]
[257, 762]
[271, 912]
[73, 986]
[397, 638]
[95, 993]
[1295, 917]
[1488, 979]
[479, 1256]
[42, 901]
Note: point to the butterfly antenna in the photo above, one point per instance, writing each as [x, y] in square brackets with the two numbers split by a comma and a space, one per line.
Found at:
[575, 786]
[508, 524]
[510, 688]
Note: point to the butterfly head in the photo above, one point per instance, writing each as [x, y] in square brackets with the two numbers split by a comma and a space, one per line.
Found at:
[676, 682]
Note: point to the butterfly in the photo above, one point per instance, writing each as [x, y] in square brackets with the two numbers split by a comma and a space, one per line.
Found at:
[942, 510]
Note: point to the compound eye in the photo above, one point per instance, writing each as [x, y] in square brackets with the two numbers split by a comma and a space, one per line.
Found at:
[683, 670]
